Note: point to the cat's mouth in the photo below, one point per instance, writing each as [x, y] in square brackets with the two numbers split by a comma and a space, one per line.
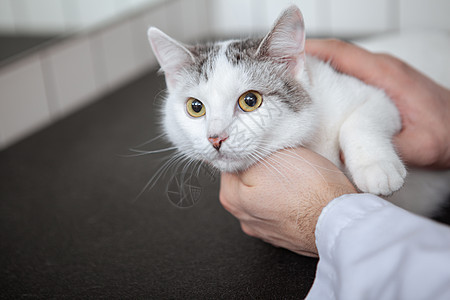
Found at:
[229, 162]
[222, 157]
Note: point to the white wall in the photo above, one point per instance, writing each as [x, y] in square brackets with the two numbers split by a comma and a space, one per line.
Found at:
[57, 80]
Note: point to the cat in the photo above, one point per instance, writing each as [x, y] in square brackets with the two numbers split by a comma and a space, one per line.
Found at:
[234, 103]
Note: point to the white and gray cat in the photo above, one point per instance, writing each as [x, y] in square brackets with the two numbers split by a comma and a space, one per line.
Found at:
[233, 103]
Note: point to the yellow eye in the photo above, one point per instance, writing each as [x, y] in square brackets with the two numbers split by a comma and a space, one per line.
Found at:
[195, 107]
[249, 101]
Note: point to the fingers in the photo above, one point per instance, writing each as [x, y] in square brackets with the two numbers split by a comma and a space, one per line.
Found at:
[428, 154]
[233, 196]
[228, 191]
[279, 240]
[340, 53]
[345, 57]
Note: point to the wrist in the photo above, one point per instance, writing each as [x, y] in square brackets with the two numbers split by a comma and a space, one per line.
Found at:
[307, 222]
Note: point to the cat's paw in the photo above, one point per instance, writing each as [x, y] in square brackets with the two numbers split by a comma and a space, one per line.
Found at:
[380, 178]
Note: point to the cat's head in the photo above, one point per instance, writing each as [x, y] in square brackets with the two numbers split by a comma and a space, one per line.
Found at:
[234, 102]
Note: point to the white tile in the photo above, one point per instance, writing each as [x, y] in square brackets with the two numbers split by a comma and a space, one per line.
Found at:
[356, 17]
[117, 53]
[99, 62]
[20, 14]
[122, 7]
[95, 12]
[260, 16]
[232, 18]
[70, 75]
[73, 17]
[195, 19]
[46, 16]
[23, 102]
[308, 8]
[174, 16]
[320, 24]
[140, 3]
[6, 17]
[142, 50]
[156, 17]
[37, 17]
[425, 14]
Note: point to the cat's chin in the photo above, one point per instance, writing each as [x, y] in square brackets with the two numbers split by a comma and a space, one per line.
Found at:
[231, 166]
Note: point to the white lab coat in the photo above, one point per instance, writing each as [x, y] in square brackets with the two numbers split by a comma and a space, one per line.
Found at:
[371, 249]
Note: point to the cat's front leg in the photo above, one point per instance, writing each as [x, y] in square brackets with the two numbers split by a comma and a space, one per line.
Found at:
[366, 142]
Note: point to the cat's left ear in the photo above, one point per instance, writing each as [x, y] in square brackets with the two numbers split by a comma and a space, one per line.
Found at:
[286, 41]
[171, 55]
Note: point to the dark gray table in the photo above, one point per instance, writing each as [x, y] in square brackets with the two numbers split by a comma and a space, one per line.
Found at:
[70, 226]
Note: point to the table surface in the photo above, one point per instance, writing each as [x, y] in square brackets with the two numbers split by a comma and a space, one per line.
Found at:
[71, 225]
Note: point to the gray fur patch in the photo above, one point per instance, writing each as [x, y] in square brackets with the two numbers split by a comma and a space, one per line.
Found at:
[242, 50]
[274, 75]
[205, 56]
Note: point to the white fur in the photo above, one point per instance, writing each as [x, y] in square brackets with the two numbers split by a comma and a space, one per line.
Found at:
[358, 120]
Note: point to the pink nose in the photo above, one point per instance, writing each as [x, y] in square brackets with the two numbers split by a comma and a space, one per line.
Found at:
[217, 141]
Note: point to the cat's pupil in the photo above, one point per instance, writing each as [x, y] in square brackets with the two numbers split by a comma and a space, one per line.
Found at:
[196, 106]
[250, 99]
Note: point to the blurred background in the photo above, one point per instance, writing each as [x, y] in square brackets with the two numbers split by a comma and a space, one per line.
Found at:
[57, 56]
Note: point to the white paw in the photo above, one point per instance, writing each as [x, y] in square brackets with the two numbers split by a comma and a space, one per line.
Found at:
[380, 178]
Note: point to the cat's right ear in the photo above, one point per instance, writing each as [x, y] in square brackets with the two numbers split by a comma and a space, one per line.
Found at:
[171, 55]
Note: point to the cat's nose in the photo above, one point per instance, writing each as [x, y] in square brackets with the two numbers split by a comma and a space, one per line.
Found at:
[217, 141]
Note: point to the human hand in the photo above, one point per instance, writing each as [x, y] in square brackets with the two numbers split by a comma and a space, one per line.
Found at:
[282, 208]
[424, 106]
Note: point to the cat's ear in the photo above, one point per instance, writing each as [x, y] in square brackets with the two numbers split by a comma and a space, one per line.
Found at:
[286, 40]
[171, 55]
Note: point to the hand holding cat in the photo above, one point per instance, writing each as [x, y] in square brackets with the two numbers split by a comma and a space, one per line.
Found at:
[423, 104]
[283, 209]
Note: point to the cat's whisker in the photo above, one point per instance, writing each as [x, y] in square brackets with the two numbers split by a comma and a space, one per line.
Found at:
[159, 96]
[198, 167]
[296, 156]
[186, 178]
[301, 158]
[160, 172]
[147, 152]
[150, 141]
[270, 166]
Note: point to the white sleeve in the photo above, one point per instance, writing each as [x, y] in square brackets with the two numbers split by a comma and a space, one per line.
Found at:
[371, 249]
